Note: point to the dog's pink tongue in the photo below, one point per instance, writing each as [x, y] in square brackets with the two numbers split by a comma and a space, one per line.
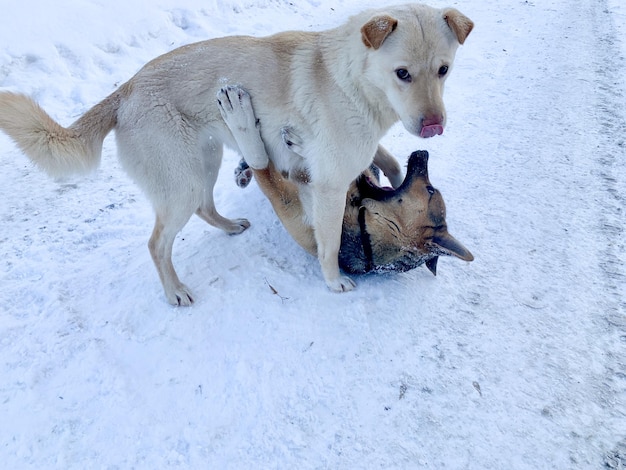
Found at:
[432, 130]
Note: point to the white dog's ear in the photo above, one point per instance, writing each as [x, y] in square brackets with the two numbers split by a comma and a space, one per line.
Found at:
[376, 30]
[460, 24]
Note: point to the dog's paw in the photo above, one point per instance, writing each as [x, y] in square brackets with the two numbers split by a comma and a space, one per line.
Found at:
[236, 107]
[341, 284]
[243, 174]
[237, 226]
[180, 296]
[291, 139]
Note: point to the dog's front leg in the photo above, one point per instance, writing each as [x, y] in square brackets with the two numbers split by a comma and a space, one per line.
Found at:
[389, 165]
[328, 209]
[235, 106]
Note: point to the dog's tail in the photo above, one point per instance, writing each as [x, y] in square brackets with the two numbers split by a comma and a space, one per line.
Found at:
[58, 150]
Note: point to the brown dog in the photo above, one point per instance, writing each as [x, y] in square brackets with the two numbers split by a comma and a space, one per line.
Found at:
[383, 229]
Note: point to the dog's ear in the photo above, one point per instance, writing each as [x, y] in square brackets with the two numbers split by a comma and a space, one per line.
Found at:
[369, 204]
[446, 244]
[460, 24]
[376, 30]
[431, 264]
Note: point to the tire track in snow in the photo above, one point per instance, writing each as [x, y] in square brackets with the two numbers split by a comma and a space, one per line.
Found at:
[611, 107]
[610, 91]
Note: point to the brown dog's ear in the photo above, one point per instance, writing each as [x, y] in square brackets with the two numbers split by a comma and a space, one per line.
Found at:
[460, 24]
[376, 30]
[450, 246]
[431, 264]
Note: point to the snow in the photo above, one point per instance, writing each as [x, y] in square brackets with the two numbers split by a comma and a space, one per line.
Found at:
[516, 360]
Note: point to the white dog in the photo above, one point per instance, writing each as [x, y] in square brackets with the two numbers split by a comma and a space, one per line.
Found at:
[340, 90]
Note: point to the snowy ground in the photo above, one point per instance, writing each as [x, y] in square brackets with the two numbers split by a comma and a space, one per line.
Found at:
[514, 361]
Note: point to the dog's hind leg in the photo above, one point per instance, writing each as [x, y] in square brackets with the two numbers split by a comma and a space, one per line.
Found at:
[188, 189]
[212, 154]
[236, 108]
[168, 223]
[209, 214]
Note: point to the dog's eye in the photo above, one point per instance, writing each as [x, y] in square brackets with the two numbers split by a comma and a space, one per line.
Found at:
[404, 75]
[443, 70]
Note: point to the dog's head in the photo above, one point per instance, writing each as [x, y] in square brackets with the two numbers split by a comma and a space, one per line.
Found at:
[410, 55]
[400, 229]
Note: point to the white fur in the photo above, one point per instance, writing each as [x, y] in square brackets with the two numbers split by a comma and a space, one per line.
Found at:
[338, 93]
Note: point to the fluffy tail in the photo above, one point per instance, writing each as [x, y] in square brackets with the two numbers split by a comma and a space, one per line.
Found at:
[57, 150]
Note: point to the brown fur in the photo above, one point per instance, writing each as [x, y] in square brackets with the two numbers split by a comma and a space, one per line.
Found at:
[377, 29]
[404, 228]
